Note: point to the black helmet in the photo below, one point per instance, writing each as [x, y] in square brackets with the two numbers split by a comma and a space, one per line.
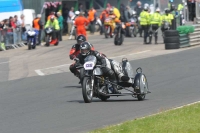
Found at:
[167, 10]
[85, 48]
[80, 39]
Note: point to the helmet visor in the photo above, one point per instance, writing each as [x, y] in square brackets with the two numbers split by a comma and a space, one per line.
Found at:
[79, 41]
[84, 51]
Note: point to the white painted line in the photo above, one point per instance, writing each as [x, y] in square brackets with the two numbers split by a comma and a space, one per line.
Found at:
[39, 72]
[131, 54]
[5, 62]
[55, 67]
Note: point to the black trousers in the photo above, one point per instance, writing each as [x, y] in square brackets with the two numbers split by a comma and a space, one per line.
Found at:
[60, 34]
[92, 26]
[39, 37]
[145, 28]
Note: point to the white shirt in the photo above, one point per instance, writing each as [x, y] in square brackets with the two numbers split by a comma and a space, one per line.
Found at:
[71, 14]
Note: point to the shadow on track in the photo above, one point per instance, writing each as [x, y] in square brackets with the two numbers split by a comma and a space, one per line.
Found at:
[108, 101]
[73, 86]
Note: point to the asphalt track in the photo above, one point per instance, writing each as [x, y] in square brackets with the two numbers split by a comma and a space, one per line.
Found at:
[54, 103]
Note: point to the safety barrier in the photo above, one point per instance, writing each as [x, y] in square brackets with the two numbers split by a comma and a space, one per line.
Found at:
[194, 38]
[11, 38]
[190, 39]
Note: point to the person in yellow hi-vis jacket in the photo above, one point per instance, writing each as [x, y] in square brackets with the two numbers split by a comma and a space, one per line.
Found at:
[166, 18]
[155, 21]
[144, 22]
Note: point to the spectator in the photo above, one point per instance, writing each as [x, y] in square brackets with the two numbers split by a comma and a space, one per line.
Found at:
[13, 26]
[22, 22]
[1, 25]
[122, 10]
[92, 18]
[138, 10]
[60, 21]
[65, 11]
[38, 25]
[126, 15]
[80, 7]
[69, 20]
[17, 30]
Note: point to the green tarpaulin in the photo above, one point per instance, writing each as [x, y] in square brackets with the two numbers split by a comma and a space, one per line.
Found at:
[185, 29]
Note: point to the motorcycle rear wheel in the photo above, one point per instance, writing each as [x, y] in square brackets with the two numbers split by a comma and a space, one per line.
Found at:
[104, 98]
[87, 91]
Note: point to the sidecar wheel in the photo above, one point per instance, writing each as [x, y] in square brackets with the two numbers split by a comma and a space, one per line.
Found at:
[140, 86]
[87, 90]
[141, 97]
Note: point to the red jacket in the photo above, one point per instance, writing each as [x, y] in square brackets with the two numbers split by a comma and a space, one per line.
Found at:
[75, 50]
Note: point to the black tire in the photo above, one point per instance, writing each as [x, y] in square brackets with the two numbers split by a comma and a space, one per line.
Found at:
[106, 32]
[47, 40]
[118, 41]
[172, 39]
[85, 92]
[29, 45]
[135, 31]
[130, 32]
[171, 33]
[172, 46]
[104, 98]
[140, 86]
[34, 46]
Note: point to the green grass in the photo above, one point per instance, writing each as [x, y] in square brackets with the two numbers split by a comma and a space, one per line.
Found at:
[182, 120]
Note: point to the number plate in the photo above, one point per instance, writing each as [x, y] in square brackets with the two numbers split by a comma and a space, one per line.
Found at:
[89, 66]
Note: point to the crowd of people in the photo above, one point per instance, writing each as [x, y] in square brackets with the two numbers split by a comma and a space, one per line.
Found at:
[61, 22]
[10, 29]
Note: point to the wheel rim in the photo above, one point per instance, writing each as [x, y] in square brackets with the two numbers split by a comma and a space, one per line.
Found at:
[89, 91]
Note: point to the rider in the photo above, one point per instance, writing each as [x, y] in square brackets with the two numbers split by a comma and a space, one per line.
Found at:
[113, 17]
[53, 23]
[75, 51]
[155, 22]
[101, 60]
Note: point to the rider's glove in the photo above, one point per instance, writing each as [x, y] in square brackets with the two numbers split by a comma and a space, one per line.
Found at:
[76, 59]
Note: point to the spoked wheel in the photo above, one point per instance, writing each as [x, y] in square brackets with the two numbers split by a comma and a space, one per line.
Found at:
[87, 90]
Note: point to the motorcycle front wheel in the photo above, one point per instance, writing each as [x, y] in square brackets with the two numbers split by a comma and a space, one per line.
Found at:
[87, 90]
[47, 40]
[29, 45]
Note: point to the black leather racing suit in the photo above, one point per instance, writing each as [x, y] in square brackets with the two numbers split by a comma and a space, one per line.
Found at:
[101, 60]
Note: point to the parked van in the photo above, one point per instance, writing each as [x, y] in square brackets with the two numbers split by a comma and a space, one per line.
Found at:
[29, 16]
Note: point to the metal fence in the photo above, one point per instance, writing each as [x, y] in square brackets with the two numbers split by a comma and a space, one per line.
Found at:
[11, 38]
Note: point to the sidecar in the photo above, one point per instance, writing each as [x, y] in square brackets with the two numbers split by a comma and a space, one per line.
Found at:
[137, 81]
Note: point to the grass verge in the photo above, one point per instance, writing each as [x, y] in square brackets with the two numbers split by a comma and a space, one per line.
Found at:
[181, 120]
